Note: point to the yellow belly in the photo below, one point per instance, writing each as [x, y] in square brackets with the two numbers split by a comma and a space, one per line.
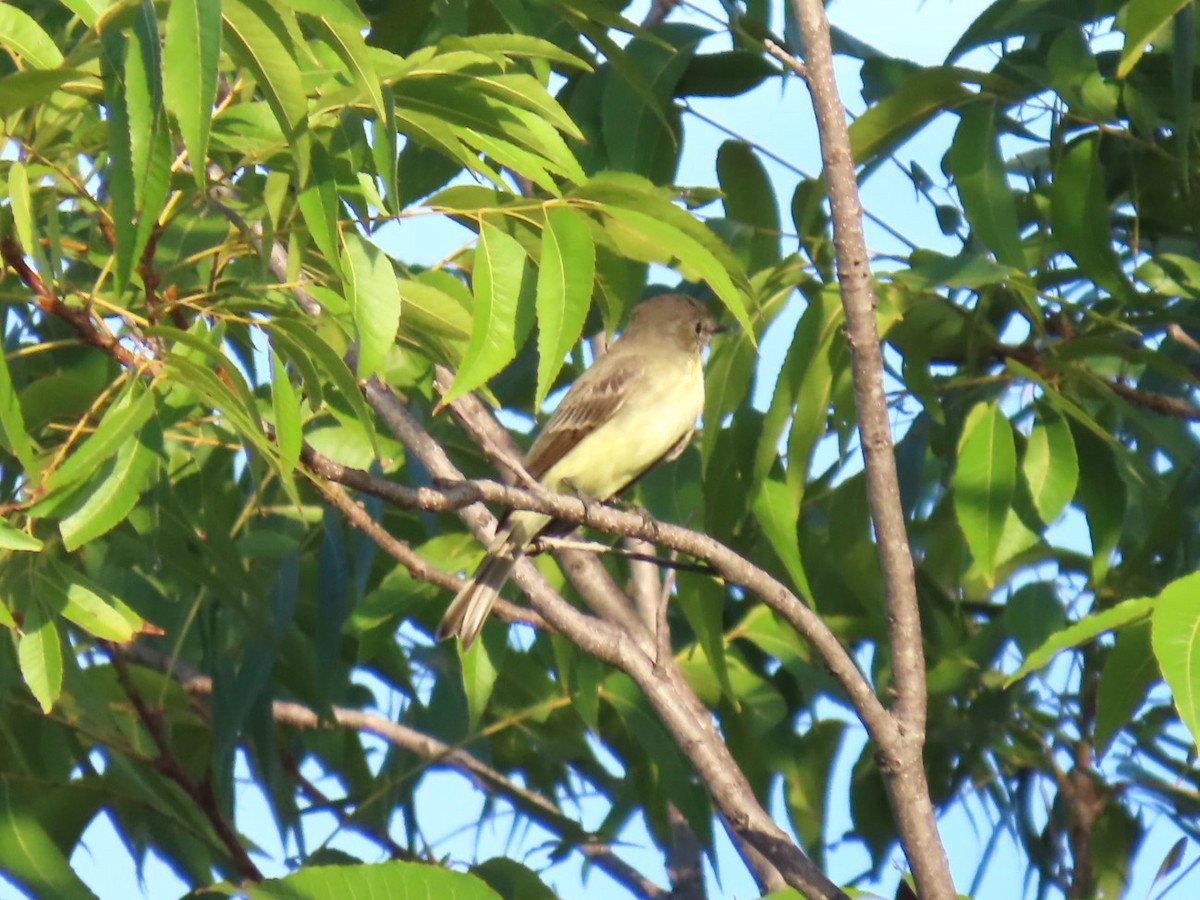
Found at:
[641, 433]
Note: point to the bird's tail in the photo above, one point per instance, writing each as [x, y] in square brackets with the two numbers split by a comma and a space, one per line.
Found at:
[469, 610]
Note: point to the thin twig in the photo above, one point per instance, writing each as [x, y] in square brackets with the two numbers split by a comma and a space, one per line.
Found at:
[170, 766]
[433, 751]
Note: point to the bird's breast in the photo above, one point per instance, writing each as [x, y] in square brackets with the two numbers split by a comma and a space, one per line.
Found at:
[662, 411]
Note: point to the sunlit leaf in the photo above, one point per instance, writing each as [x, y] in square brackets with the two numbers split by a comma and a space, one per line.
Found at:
[984, 479]
[564, 287]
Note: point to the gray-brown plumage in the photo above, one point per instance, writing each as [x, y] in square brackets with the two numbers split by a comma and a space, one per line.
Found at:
[634, 408]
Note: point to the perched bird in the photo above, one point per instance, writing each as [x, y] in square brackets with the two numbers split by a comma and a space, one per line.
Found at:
[634, 408]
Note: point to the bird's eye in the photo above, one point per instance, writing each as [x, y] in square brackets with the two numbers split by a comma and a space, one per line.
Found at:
[699, 328]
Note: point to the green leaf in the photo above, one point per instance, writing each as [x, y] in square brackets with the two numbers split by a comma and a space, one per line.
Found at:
[566, 270]
[24, 38]
[1081, 632]
[21, 203]
[114, 491]
[982, 183]
[125, 417]
[1176, 639]
[499, 271]
[39, 654]
[13, 538]
[258, 40]
[319, 204]
[348, 43]
[749, 197]
[511, 879]
[1144, 19]
[984, 479]
[1103, 496]
[29, 853]
[149, 142]
[638, 135]
[374, 300]
[24, 89]
[1080, 217]
[702, 602]
[324, 357]
[1050, 464]
[1128, 673]
[385, 881]
[88, 605]
[89, 11]
[696, 262]
[12, 424]
[779, 517]
[924, 94]
[286, 404]
[119, 177]
[654, 229]
[190, 58]
[806, 377]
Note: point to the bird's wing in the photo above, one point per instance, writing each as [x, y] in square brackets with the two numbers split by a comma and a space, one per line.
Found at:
[593, 399]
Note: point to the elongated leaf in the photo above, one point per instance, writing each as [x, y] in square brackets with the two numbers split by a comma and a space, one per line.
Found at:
[119, 177]
[499, 271]
[695, 261]
[779, 517]
[1050, 465]
[21, 204]
[924, 94]
[257, 40]
[324, 357]
[88, 605]
[114, 492]
[39, 654]
[374, 300]
[982, 184]
[639, 136]
[1143, 21]
[318, 203]
[348, 43]
[12, 424]
[1176, 639]
[286, 405]
[149, 142]
[29, 853]
[1083, 631]
[13, 538]
[126, 416]
[192, 52]
[984, 479]
[1080, 218]
[387, 881]
[24, 37]
[24, 89]
[565, 273]
[749, 197]
[1128, 673]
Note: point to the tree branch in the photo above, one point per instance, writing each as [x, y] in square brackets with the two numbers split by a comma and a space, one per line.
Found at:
[900, 759]
[170, 766]
[685, 717]
[433, 751]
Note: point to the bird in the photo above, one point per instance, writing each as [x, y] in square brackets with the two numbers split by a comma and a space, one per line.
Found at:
[634, 408]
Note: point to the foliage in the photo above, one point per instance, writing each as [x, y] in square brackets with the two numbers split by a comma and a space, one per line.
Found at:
[193, 201]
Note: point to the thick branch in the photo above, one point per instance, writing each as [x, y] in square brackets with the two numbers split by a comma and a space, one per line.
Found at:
[688, 721]
[731, 567]
[900, 760]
